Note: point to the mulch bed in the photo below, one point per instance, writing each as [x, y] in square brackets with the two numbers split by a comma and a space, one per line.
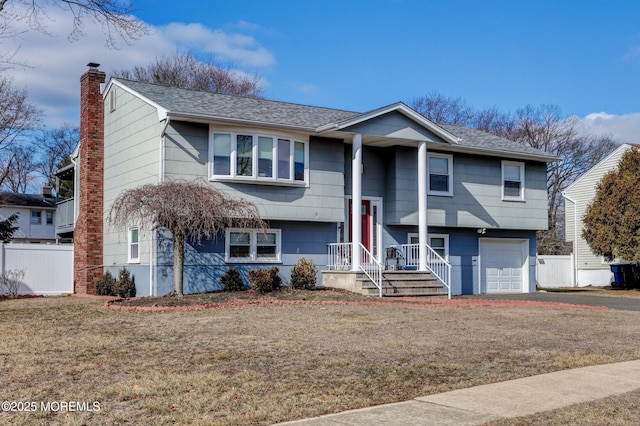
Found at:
[20, 296]
[327, 296]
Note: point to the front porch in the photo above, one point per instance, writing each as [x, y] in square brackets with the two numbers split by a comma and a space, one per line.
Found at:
[398, 275]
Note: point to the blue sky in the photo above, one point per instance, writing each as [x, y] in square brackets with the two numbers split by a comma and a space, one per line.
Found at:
[583, 56]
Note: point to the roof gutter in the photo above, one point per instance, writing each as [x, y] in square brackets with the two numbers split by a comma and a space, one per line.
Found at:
[202, 118]
[497, 153]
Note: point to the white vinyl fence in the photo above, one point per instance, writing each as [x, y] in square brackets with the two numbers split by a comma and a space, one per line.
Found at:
[554, 271]
[48, 269]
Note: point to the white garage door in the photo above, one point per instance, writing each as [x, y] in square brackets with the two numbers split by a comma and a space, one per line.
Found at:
[502, 265]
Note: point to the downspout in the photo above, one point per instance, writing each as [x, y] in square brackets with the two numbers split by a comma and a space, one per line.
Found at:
[575, 237]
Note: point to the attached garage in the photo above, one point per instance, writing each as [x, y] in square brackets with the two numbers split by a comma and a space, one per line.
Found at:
[503, 265]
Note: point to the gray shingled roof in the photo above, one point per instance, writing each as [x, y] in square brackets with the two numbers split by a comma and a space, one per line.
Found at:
[212, 105]
[486, 141]
[192, 102]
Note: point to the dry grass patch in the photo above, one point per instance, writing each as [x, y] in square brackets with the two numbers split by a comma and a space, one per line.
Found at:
[616, 410]
[599, 291]
[266, 364]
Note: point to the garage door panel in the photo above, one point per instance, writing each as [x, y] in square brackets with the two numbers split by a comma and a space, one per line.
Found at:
[502, 265]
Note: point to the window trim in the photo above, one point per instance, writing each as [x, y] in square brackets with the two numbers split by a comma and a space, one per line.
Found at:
[255, 152]
[449, 191]
[253, 246]
[520, 164]
[429, 236]
[130, 244]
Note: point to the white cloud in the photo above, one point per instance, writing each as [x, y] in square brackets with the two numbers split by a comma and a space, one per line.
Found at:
[307, 88]
[55, 64]
[240, 48]
[623, 128]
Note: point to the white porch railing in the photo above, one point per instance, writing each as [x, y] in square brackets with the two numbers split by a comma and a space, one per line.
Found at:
[371, 267]
[437, 265]
[339, 257]
[340, 260]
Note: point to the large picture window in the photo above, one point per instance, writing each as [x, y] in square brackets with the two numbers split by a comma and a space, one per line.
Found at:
[258, 158]
[252, 246]
[512, 181]
[440, 169]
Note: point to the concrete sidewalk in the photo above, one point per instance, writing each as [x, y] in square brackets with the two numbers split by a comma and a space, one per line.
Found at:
[479, 404]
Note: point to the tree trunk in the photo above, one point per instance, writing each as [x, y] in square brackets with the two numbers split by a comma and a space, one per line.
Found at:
[178, 265]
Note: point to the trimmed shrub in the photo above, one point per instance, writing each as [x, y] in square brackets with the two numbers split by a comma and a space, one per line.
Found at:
[104, 286]
[276, 281]
[125, 286]
[303, 274]
[265, 280]
[232, 281]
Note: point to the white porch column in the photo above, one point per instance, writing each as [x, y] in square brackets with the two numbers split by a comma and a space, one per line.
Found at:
[356, 201]
[422, 205]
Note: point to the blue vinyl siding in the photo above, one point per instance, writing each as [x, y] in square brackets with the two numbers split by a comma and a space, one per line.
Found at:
[204, 264]
[463, 247]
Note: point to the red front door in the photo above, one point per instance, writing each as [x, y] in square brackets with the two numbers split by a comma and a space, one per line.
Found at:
[365, 218]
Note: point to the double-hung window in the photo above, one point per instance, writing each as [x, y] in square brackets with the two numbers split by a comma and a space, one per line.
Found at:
[36, 217]
[252, 246]
[440, 169]
[258, 158]
[134, 245]
[438, 242]
[512, 181]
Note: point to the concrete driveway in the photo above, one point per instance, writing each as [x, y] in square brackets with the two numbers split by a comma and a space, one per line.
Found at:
[572, 297]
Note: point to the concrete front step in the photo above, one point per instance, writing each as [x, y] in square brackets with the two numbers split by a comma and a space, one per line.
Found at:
[404, 283]
[394, 283]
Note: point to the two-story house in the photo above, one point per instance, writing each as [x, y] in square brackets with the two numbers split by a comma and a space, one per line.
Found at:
[36, 215]
[339, 187]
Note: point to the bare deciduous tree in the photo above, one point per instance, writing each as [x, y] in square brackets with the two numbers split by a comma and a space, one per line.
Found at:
[545, 128]
[17, 117]
[55, 147]
[21, 170]
[186, 71]
[191, 211]
[115, 17]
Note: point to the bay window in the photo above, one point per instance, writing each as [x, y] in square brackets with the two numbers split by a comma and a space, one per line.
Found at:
[258, 158]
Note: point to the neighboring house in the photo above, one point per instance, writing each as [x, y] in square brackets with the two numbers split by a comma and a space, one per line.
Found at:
[471, 197]
[589, 268]
[36, 215]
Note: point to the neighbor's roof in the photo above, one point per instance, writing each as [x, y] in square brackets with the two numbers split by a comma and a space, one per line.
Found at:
[211, 106]
[26, 200]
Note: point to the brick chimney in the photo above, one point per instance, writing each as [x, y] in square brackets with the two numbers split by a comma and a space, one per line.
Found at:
[87, 236]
